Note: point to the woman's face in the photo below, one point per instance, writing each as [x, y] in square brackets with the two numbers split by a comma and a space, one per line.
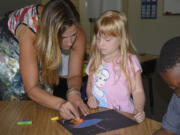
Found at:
[172, 78]
[69, 37]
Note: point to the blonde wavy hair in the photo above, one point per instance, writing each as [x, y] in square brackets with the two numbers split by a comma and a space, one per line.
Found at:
[113, 23]
[56, 17]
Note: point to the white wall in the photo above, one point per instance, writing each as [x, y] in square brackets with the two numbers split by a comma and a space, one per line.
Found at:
[87, 26]
[149, 35]
[84, 19]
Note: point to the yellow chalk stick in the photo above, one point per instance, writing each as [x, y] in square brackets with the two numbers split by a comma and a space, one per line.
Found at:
[55, 118]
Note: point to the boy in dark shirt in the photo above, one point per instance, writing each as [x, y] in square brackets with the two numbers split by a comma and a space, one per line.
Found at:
[169, 69]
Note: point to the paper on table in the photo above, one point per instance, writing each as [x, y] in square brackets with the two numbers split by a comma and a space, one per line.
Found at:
[99, 122]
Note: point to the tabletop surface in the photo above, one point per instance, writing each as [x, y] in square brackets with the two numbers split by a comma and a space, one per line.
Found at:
[13, 111]
[147, 57]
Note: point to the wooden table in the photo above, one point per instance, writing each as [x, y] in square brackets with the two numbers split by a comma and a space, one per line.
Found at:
[11, 112]
[147, 57]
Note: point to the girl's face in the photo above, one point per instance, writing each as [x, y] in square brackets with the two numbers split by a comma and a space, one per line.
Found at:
[69, 37]
[172, 78]
[108, 45]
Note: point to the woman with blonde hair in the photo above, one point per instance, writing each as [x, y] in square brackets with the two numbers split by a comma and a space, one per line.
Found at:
[114, 72]
[39, 45]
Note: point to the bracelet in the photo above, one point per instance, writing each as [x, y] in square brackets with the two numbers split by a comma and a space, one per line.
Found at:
[72, 91]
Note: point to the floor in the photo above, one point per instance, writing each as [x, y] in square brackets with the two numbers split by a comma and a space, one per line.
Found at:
[161, 97]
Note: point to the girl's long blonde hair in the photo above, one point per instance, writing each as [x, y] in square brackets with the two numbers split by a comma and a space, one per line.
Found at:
[113, 23]
[56, 17]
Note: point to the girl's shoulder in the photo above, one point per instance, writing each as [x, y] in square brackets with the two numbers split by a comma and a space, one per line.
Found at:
[134, 60]
[131, 57]
[134, 57]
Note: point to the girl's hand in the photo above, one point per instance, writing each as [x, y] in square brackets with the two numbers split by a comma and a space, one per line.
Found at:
[140, 116]
[92, 102]
[67, 111]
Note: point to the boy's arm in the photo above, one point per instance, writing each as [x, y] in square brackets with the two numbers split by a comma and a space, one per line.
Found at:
[138, 93]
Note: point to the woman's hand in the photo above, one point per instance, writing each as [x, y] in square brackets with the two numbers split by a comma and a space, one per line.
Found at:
[77, 101]
[68, 111]
[92, 102]
[140, 116]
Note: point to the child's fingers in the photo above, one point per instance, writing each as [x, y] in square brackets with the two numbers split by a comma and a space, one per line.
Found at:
[92, 103]
[140, 117]
[95, 104]
[140, 120]
[140, 114]
[89, 103]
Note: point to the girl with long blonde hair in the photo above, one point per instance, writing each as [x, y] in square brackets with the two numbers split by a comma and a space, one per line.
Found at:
[114, 72]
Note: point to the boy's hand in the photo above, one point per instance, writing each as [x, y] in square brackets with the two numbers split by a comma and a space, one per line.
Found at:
[140, 116]
[92, 102]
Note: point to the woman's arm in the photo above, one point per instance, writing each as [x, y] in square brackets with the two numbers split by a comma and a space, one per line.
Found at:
[29, 72]
[76, 61]
[75, 70]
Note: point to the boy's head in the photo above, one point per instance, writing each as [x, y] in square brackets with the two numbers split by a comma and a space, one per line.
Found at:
[169, 64]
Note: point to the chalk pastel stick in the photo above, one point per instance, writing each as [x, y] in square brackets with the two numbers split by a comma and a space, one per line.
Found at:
[55, 118]
[24, 123]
